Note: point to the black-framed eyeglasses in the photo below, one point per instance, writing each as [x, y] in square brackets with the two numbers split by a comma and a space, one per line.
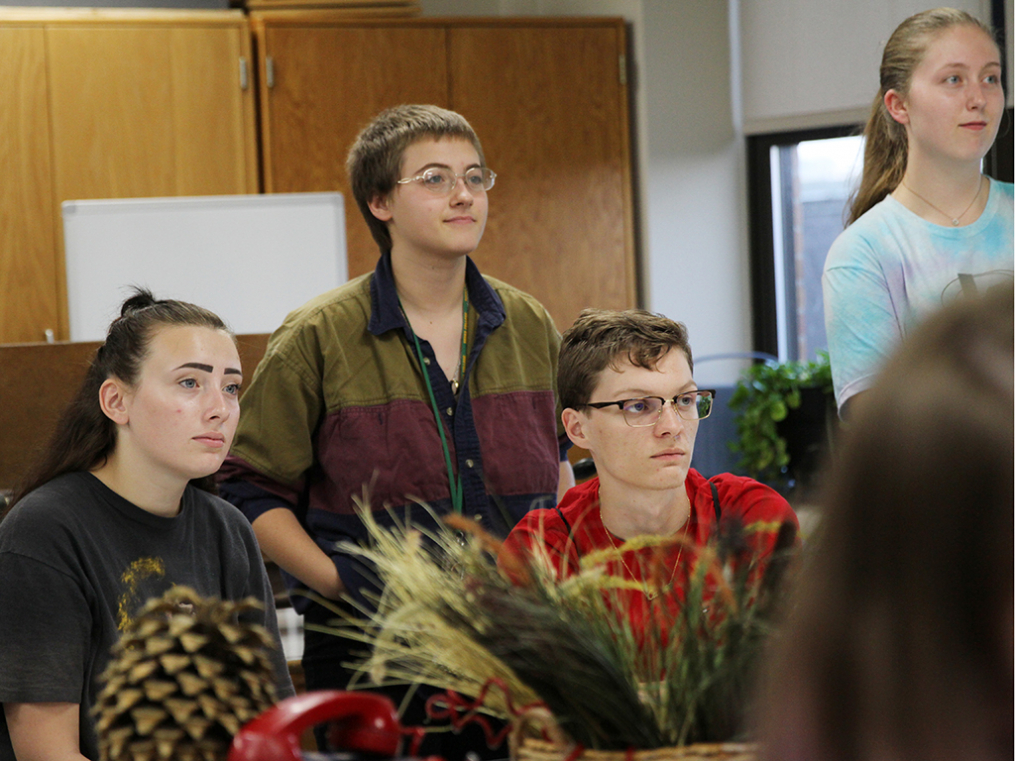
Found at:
[646, 410]
[441, 181]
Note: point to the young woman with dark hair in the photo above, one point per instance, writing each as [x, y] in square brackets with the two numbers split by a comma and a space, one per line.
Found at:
[111, 517]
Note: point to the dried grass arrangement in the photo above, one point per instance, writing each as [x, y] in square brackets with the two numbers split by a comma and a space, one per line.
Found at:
[570, 667]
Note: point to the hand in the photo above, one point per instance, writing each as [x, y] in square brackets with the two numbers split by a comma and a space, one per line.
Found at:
[284, 541]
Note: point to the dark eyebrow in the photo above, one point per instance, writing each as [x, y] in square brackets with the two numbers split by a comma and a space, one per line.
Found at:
[209, 368]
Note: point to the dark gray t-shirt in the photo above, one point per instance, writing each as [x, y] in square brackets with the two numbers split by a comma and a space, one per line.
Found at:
[76, 563]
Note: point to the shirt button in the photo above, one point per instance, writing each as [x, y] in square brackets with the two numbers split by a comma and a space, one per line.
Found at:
[469, 463]
[450, 411]
[426, 361]
[479, 518]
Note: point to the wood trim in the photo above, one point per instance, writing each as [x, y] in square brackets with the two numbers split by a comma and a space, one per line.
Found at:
[250, 100]
[340, 8]
[630, 217]
[337, 17]
[143, 16]
[259, 36]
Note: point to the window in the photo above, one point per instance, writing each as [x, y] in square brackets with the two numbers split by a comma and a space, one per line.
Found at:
[800, 184]
[810, 191]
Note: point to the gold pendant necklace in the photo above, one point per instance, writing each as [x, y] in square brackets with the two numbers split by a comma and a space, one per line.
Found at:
[955, 220]
[650, 595]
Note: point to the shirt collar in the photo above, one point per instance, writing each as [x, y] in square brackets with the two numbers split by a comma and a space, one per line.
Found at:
[385, 313]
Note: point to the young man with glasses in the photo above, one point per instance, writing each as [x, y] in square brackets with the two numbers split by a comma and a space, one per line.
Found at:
[625, 382]
[422, 382]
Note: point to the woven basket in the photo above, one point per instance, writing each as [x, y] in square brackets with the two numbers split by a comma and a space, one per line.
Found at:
[539, 750]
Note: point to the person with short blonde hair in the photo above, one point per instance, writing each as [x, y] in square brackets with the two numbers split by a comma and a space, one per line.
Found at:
[423, 387]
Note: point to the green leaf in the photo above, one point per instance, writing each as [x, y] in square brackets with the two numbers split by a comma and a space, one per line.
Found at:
[763, 396]
[778, 411]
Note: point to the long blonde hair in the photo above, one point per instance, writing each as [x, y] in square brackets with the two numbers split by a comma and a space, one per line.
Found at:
[886, 147]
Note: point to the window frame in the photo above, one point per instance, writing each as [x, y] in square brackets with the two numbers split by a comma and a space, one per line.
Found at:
[764, 290]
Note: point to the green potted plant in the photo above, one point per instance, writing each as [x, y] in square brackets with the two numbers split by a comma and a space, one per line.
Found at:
[785, 416]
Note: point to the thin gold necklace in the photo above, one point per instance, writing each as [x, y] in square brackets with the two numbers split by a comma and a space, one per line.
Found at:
[644, 585]
[955, 220]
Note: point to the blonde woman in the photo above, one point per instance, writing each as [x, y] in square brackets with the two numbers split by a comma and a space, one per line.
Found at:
[925, 225]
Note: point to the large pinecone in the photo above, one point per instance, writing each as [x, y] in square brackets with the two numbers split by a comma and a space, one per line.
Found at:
[185, 676]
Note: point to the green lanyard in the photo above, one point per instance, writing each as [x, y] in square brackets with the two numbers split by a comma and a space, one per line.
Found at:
[454, 482]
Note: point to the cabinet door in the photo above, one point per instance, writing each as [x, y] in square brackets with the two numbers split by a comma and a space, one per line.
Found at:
[326, 84]
[149, 111]
[547, 98]
[28, 261]
[214, 126]
[549, 103]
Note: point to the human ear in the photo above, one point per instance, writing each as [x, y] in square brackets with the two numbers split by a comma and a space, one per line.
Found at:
[380, 207]
[896, 107]
[113, 401]
[573, 427]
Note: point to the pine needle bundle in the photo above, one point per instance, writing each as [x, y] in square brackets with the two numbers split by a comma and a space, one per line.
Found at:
[448, 617]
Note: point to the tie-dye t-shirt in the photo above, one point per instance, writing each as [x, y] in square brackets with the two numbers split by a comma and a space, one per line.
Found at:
[891, 268]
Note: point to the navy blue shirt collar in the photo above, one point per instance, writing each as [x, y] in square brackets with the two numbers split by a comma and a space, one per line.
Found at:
[385, 313]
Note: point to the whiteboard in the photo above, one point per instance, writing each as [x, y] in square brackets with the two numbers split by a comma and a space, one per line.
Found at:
[251, 259]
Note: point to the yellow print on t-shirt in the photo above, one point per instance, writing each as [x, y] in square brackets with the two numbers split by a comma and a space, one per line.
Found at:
[139, 570]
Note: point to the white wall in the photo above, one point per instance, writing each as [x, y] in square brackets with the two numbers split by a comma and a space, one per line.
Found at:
[815, 64]
[696, 266]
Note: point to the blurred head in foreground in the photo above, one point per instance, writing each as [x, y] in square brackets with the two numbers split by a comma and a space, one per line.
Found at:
[901, 646]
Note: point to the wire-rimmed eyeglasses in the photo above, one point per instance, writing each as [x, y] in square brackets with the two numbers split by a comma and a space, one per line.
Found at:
[646, 410]
[441, 181]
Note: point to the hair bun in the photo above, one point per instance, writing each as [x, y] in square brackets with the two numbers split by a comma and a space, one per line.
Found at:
[142, 299]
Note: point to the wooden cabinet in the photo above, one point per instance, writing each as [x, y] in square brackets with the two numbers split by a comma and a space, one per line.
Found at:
[548, 98]
[110, 104]
[148, 103]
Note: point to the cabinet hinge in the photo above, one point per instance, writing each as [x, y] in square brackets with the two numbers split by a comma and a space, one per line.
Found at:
[269, 71]
[244, 77]
[623, 70]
